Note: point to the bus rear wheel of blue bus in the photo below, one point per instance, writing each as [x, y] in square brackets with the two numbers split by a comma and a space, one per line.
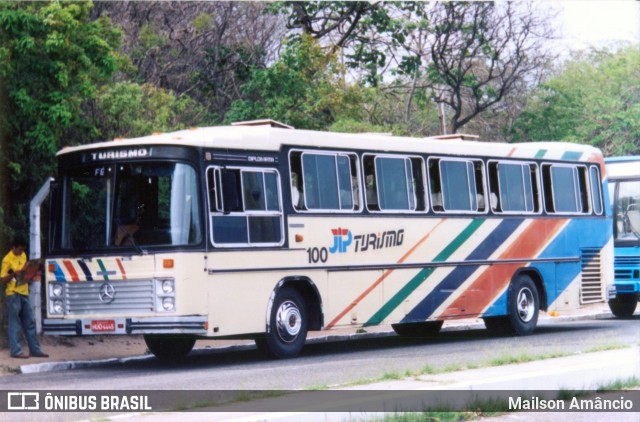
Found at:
[623, 306]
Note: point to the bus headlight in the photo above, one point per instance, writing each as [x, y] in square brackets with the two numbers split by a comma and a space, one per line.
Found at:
[168, 304]
[56, 289]
[165, 292]
[57, 306]
[168, 286]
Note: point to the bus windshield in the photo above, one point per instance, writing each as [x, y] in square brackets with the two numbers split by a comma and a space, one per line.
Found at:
[127, 205]
[627, 208]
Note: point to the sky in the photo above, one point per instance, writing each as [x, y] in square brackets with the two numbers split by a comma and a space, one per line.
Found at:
[598, 23]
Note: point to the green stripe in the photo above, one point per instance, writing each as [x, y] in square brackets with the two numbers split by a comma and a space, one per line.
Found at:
[104, 270]
[541, 153]
[572, 155]
[416, 281]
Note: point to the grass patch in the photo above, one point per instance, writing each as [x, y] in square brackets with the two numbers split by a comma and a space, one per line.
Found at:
[499, 361]
[624, 384]
[606, 347]
[524, 358]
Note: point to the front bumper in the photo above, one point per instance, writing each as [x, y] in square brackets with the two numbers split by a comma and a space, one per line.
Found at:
[196, 325]
[620, 289]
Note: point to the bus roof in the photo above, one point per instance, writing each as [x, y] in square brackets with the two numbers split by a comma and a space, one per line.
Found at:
[269, 138]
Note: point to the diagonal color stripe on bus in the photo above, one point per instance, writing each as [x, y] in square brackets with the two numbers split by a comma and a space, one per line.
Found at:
[451, 283]
[496, 278]
[416, 281]
[71, 270]
[85, 269]
[382, 277]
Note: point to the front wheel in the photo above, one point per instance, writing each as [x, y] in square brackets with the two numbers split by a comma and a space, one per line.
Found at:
[623, 306]
[288, 325]
[167, 347]
[523, 305]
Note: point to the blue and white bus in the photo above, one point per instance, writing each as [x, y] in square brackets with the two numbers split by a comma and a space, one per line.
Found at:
[624, 192]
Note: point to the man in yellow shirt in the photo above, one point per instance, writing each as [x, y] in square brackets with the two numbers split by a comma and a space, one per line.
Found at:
[19, 311]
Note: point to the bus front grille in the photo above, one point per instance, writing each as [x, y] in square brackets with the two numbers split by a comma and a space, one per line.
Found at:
[591, 284]
[110, 297]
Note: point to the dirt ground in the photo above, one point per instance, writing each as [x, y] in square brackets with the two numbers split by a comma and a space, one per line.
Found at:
[62, 349]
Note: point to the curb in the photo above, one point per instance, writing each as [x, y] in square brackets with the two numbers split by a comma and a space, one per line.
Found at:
[329, 338]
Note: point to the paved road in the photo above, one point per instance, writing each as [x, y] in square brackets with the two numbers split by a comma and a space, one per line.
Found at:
[334, 365]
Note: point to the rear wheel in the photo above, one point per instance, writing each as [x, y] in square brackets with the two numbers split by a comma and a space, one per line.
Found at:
[418, 329]
[523, 305]
[623, 306]
[288, 325]
[169, 347]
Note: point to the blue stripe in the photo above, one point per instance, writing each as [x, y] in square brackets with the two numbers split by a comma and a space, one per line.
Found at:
[580, 233]
[460, 274]
[58, 272]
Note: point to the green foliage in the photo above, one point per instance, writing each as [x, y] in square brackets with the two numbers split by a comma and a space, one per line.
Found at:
[127, 109]
[303, 88]
[52, 57]
[595, 99]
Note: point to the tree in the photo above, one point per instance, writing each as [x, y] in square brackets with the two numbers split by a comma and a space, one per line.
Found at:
[481, 51]
[594, 98]
[469, 56]
[52, 56]
[304, 88]
[127, 109]
[201, 49]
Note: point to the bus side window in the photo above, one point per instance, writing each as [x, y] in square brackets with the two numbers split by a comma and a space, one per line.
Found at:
[565, 189]
[245, 207]
[513, 187]
[457, 185]
[596, 192]
[324, 182]
[435, 187]
[394, 183]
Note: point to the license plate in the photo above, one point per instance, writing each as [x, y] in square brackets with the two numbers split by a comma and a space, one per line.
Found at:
[103, 326]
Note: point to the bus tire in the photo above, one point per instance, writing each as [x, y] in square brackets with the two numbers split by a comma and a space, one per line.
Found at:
[418, 329]
[169, 347]
[288, 325]
[623, 306]
[523, 305]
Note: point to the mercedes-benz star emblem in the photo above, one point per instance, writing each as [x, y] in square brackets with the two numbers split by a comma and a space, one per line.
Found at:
[107, 293]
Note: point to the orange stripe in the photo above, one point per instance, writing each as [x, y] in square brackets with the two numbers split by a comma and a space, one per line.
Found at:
[72, 271]
[381, 279]
[496, 278]
[124, 274]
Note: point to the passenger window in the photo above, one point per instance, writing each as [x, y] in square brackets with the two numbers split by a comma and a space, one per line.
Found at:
[565, 189]
[394, 183]
[324, 181]
[457, 185]
[596, 189]
[514, 187]
[244, 207]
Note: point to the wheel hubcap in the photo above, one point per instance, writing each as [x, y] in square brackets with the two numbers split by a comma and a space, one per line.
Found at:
[288, 321]
[525, 305]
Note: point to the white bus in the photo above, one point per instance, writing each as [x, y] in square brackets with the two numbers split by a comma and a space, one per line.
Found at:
[265, 232]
